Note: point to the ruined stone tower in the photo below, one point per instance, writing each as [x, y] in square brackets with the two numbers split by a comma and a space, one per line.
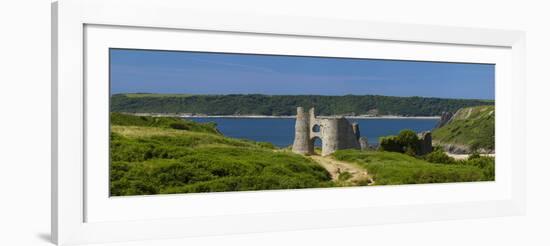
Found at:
[334, 132]
[302, 134]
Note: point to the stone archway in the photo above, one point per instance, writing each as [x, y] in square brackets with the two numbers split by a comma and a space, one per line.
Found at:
[317, 143]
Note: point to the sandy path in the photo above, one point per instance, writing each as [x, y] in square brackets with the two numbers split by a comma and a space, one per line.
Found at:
[465, 156]
[335, 168]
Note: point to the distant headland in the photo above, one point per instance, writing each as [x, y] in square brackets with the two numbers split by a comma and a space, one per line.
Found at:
[259, 105]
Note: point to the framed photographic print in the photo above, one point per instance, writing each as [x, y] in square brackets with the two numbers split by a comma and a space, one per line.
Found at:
[172, 123]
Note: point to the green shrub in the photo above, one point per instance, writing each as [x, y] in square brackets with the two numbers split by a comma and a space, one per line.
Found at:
[410, 151]
[405, 142]
[390, 143]
[439, 156]
[410, 142]
[474, 155]
[407, 138]
[179, 126]
[487, 164]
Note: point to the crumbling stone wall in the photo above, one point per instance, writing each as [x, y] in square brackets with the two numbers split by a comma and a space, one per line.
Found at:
[364, 143]
[425, 142]
[335, 133]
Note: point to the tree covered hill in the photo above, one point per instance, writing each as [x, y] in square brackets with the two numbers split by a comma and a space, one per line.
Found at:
[284, 105]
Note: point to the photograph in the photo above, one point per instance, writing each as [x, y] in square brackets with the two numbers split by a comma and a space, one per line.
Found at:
[196, 122]
[269, 123]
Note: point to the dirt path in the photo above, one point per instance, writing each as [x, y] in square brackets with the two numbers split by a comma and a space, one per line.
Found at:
[358, 175]
[465, 156]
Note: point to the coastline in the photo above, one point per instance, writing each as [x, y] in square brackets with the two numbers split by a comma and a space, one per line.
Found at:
[283, 116]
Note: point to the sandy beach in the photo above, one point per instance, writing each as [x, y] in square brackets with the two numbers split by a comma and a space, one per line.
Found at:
[465, 156]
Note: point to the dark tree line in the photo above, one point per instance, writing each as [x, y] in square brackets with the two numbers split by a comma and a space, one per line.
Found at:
[281, 105]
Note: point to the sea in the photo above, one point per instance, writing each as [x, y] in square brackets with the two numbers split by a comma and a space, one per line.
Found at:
[280, 131]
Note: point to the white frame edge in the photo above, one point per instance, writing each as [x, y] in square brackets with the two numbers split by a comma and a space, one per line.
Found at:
[68, 20]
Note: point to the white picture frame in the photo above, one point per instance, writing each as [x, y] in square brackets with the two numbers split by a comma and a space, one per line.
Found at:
[82, 213]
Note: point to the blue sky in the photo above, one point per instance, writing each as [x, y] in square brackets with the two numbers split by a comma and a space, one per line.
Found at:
[220, 73]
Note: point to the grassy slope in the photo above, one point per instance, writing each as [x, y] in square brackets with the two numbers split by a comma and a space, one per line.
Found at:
[118, 119]
[391, 168]
[473, 127]
[149, 156]
[155, 156]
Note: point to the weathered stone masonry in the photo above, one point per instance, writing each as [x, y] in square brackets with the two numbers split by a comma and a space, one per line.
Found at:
[425, 142]
[335, 133]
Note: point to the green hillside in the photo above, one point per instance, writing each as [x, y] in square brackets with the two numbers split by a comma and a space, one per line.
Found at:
[277, 105]
[392, 168]
[169, 155]
[473, 127]
[163, 155]
[118, 119]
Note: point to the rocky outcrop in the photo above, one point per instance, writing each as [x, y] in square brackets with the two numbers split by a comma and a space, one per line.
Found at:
[457, 149]
[460, 149]
[446, 117]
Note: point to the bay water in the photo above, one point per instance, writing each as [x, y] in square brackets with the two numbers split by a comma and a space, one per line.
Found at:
[280, 131]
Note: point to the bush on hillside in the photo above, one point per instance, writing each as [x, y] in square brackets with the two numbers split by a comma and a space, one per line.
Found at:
[405, 142]
[474, 155]
[407, 138]
[487, 164]
[439, 156]
[179, 126]
[390, 143]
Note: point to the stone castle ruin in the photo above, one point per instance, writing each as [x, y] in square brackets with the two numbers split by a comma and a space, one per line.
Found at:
[335, 133]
